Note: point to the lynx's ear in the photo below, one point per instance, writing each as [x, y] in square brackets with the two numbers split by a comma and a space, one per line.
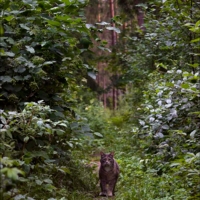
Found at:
[112, 153]
[101, 153]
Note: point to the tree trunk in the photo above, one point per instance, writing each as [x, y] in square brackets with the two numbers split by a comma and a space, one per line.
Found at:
[113, 43]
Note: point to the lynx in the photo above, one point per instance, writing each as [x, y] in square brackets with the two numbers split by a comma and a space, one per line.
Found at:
[108, 174]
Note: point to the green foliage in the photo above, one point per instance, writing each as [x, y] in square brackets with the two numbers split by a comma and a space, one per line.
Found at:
[45, 57]
[146, 183]
[41, 52]
[170, 121]
[155, 131]
[96, 115]
[37, 150]
[165, 39]
[155, 134]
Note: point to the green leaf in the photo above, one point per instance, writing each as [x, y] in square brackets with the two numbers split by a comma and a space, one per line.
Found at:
[24, 27]
[195, 65]
[9, 134]
[44, 43]
[2, 52]
[103, 23]
[50, 187]
[30, 49]
[64, 18]
[9, 54]
[48, 181]
[40, 123]
[92, 75]
[11, 41]
[195, 40]
[192, 134]
[197, 23]
[185, 86]
[195, 29]
[175, 164]
[27, 77]
[166, 127]
[9, 18]
[65, 169]
[38, 182]
[3, 120]
[90, 26]
[169, 84]
[1, 30]
[5, 79]
[117, 30]
[63, 124]
[74, 125]
[85, 128]
[54, 23]
[26, 139]
[70, 144]
[104, 49]
[12, 173]
[67, 2]
[48, 63]
[59, 131]
[98, 134]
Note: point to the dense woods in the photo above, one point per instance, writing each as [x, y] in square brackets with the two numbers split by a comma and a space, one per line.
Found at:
[78, 77]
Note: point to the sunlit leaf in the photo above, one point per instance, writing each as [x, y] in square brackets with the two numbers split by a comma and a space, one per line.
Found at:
[70, 144]
[40, 123]
[38, 182]
[117, 30]
[26, 139]
[47, 180]
[3, 120]
[9, 18]
[192, 134]
[103, 23]
[65, 169]
[12, 173]
[92, 75]
[185, 86]
[24, 27]
[48, 63]
[67, 2]
[98, 134]
[195, 40]
[5, 79]
[54, 23]
[165, 127]
[30, 49]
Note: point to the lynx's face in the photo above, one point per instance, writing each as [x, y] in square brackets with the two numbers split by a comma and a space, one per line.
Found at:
[107, 160]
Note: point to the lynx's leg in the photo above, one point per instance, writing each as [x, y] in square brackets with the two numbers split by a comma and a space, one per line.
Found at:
[103, 188]
[111, 188]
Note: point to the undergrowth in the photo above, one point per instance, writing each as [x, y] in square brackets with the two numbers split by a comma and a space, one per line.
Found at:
[145, 170]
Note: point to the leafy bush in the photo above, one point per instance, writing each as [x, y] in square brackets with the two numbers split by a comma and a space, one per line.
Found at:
[41, 55]
[37, 150]
[171, 121]
[136, 182]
